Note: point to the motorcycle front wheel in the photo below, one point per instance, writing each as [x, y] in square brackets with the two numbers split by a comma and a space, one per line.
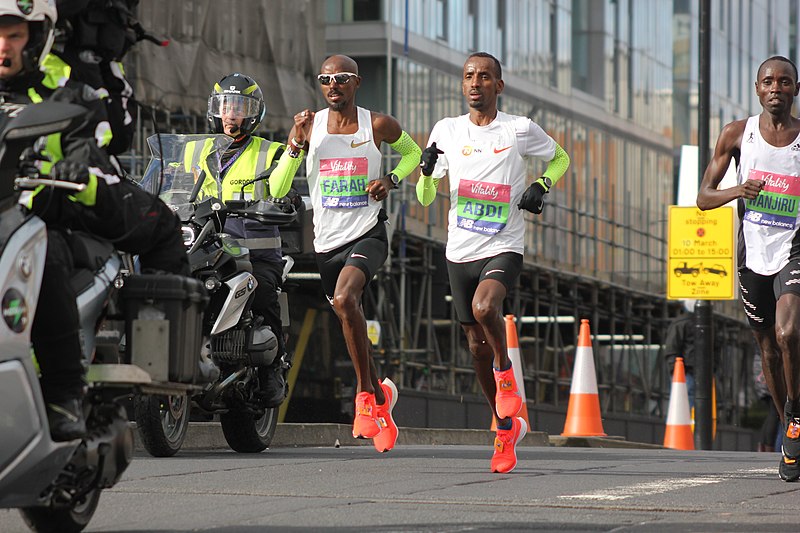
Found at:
[162, 422]
[62, 520]
[247, 434]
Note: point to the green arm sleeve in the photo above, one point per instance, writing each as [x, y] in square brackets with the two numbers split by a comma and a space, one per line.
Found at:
[426, 189]
[406, 147]
[558, 165]
[280, 181]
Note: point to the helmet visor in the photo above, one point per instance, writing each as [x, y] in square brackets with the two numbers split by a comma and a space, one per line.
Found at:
[233, 106]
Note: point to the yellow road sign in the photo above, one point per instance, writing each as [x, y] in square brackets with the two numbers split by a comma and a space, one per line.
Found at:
[701, 254]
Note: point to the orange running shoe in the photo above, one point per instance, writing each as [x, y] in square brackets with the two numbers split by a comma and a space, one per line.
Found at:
[507, 400]
[789, 468]
[365, 425]
[385, 440]
[505, 446]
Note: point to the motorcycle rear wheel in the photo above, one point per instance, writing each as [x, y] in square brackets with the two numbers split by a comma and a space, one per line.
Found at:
[162, 422]
[247, 434]
[62, 520]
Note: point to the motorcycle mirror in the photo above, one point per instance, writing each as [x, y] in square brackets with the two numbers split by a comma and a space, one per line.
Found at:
[38, 120]
[263, 176]
[198, 184]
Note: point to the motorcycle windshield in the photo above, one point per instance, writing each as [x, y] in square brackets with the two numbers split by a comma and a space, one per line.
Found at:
[177, 162]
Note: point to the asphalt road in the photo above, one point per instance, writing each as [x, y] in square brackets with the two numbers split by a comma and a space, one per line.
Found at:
[447, 488]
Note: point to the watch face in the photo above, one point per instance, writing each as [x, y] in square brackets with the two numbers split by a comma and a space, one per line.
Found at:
[548, 182]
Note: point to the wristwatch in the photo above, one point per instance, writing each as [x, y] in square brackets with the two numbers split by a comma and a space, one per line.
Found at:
[547, 182]
[394, 179]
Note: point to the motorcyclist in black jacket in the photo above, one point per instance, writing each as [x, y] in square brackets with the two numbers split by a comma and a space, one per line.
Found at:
[110, 207]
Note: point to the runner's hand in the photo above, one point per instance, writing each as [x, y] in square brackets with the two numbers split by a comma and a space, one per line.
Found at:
[533, 198]
[428, 159]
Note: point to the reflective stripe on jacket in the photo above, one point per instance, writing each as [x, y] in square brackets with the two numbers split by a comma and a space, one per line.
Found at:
[264, 242]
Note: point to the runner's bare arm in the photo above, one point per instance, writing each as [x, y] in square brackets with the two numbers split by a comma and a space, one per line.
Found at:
[727, 147]
[281, 180]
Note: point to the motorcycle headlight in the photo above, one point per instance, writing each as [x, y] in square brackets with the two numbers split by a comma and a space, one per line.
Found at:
[188, 235]
[212, 284]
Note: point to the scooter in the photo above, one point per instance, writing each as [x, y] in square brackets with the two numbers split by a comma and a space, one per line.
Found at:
[57, 485]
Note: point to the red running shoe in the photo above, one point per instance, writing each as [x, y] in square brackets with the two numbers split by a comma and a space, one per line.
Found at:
[385, 440]
[507, 400]
[505, 446]
[365, 425]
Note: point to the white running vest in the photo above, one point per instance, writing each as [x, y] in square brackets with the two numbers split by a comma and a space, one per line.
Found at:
[488, 174]
[769, 223]
[338, 167]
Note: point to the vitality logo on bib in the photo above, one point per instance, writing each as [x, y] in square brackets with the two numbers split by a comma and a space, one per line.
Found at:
[483, 207]
[343, 182]
[777, 204]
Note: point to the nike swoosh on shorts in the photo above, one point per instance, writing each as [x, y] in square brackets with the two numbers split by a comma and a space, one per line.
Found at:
[493, 271]
[358, 256]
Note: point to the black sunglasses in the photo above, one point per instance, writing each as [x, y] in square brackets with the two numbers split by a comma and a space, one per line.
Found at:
[340, 78]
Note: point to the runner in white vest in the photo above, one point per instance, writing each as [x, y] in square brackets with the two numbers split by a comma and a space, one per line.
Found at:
[766, 148]
[483, 153]
[346, 189]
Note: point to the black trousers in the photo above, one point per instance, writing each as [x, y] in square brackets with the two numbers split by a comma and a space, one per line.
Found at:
[269, 277]
[54, 332]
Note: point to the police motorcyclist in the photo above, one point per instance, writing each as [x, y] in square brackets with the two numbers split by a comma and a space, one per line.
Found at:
[109, 207]
[91, 37]
[235, 108]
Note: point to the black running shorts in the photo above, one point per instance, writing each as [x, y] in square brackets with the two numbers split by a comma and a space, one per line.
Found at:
[760, 293]
[465, 277]
[368, 253]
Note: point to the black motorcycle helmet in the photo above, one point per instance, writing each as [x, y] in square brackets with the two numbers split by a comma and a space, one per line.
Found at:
[240, 94]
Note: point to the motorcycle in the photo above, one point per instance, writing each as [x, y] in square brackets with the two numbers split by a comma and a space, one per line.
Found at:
[237, 341]
[57, 485]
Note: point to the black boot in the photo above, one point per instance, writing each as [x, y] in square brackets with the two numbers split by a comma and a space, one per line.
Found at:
[66, 419]
[274, 387]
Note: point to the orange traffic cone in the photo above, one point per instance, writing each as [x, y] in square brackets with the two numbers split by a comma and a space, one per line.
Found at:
[512, 343]
[583, 411]
[678, 434]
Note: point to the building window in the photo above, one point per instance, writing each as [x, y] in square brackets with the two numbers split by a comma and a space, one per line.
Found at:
[441, 19]
[588, 74]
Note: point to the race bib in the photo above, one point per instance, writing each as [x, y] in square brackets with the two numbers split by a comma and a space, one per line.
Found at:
[343, 182]
[482, 207]
[777, 204]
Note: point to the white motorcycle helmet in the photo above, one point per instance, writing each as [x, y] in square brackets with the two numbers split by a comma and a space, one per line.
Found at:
[41, 16]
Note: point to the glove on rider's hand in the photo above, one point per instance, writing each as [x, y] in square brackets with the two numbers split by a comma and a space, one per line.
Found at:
[428, 159]
[70, 171]
[30, 162]
[533, 198]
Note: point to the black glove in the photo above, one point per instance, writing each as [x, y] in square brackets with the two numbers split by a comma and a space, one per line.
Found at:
[428, 159]
[30, 162]
[533, 198]
[70, 171]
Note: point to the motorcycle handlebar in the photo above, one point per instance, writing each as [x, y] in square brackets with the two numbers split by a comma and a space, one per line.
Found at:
[32, 183]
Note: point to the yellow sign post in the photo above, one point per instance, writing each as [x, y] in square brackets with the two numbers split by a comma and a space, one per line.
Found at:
[701, 254]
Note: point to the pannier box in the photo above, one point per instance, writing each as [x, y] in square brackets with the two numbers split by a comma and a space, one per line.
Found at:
[164, 325]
